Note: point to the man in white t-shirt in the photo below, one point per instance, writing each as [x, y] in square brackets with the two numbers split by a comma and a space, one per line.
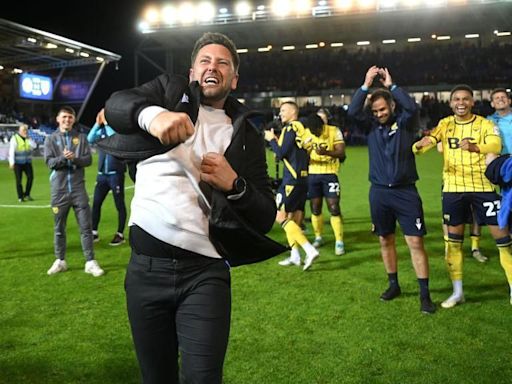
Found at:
[177, 283]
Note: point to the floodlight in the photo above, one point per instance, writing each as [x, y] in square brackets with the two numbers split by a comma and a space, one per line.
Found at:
[151, 15]
[389, 41]
[70, 50]
[384, 4]
[411, 3]
[366, 4]
[84, 54]
[501, 34]
[223, 11]
[335, 45]
[169, 15]
[31, 39]
[435, 3]
[1, 67]
[321, 44]
[302, 6]
[100, 59]
[242, 50]
[343, 4]
[443, 37]
[288, 47]
[281, 8]
[51, 46]
[311, 46]
[243, 8]
[365, 42]
[413, 39]
[472, 36]
[186, 13]
[205, 11]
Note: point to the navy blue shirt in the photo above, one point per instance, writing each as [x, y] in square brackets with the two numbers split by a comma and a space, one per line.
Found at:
[289, 149]
[392, 162]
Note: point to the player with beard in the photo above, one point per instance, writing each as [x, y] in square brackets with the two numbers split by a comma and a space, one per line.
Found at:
[177, 284]
[393, 193]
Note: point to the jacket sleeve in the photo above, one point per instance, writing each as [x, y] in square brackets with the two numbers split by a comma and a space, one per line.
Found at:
[12, 150]
[52, 158]
[257, 205]
[355, 110]
[123, 107]
[94, 134]
[408, 107]
[287, 143]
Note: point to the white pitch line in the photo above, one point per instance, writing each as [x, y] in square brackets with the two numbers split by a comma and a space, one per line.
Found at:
[23, 206]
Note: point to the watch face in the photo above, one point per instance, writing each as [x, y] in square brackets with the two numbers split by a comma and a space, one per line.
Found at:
[240, 185]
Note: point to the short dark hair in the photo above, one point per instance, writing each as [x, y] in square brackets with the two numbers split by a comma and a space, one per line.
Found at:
[315, 124]
[499, 90]
[381, 93]
[216, 38]
[67, 109]
[461, 87]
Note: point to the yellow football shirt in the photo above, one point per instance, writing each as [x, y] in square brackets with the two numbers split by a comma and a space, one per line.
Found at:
[464, 171]
[323, 164]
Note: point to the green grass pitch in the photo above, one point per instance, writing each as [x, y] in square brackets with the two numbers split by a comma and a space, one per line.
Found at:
[323, 326]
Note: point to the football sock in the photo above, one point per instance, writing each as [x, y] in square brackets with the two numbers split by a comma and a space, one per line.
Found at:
[453, 256]
[295, 235]
[337, 227]
[505, 256]
[393, 279]
[424, 291]
[317, 221]
[457, 288]
[475, 241]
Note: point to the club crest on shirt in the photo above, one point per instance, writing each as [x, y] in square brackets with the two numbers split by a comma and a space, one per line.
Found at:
[495, 129]
[55, 210]
[393, 129]
[75, 140]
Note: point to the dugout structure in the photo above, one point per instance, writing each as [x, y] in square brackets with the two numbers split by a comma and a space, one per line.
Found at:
[74, 69]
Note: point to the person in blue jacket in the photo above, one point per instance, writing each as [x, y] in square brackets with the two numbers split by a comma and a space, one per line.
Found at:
[502, 117]
[110, 178]
[393, 194]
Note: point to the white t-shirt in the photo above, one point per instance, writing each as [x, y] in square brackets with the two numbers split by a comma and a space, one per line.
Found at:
[165, 203]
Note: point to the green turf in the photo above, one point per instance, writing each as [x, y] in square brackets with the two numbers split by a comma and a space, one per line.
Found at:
[288, 326]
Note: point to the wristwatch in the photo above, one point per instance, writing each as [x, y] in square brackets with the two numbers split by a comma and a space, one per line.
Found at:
[239, 187]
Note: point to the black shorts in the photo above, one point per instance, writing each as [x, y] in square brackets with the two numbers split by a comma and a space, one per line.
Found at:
[457, 206]
[402, 204]
[292, 197]
[323, 185]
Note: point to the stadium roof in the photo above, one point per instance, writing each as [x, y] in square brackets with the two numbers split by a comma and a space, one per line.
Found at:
[459, 19]
[30, 49]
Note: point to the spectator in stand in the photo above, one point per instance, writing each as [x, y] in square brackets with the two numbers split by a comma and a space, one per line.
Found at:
[326, 154]
[467, 138]
[292, 193]
[500, 101]
[67, 153]
[20, 160]
[393, 194]
[110, 178]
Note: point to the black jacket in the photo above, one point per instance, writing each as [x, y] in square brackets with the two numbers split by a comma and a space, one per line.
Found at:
[255, 210]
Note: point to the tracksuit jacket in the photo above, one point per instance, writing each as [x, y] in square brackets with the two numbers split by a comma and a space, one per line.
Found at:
[392, 162]
[67, 177]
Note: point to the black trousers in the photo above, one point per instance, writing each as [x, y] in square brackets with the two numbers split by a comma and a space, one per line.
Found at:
[18, 170]
[179, 306]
